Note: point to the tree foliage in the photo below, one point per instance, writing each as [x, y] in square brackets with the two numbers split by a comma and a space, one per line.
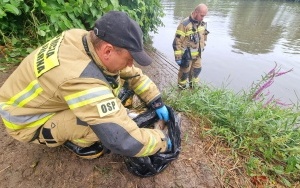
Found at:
[26, 24]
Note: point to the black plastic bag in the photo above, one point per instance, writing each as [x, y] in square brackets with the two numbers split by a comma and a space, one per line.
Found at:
[186, 58]
[154, 164]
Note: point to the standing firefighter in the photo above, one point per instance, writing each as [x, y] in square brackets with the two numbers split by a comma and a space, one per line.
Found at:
[65, 92]
[188, 45]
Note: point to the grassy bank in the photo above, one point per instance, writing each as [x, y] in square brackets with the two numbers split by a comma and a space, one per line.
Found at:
[264, 132]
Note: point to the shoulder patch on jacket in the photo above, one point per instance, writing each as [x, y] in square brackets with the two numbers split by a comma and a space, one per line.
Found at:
[46, 57]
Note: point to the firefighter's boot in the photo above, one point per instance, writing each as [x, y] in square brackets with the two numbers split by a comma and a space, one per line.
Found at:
[182, 80]
[182, 86]
[194, 83]
[194, 77]
[90, 152]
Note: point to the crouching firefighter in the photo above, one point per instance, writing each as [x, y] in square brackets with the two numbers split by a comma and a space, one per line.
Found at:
[188, 45]
[65, 92]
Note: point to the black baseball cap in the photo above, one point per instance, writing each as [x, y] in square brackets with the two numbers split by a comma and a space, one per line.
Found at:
[116, 28]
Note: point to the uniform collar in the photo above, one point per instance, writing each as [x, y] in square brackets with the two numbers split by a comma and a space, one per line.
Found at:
[193, 20]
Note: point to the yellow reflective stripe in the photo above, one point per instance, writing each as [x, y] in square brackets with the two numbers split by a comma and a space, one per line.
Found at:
[143, 86]
[25, 96]
[89, 96]
[150, 147]
[183, 82]
[178, 32]
[195, 80]
[181, 33]
[34, 95]
[201, 28]
[80, 141]
[178, 52]
[3, 105]
[189, 33]
[117, 90]
[28, 125]
[195, 53]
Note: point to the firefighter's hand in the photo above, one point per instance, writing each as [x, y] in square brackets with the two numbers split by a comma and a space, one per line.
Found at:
[179, 61]
[163, 113]
[169, 145]
[167, 138]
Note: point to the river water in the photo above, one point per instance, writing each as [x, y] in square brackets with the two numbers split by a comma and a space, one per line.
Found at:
[247, 39]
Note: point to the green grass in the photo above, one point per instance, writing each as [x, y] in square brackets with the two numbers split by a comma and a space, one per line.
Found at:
[266, 134]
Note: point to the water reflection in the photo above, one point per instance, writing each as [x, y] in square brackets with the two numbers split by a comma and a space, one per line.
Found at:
[246, 39]
[251, 27]
[258, 26]
[291, 33]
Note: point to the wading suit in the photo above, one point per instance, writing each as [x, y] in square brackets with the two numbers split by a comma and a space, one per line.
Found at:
[59, 93]
[190, 35]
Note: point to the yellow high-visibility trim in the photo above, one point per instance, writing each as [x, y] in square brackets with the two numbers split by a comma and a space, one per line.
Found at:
[34, 95]
[82, 93]
[201, 28]
[182, 82]
[117, 90]
[178, 52]
[178, 32]
[195, 53]
[150, 147]
[80, 141]
[89, 96]
[189, 33]
[195, 80]
[27, 90]
[39, 122]
[3, 105]
[142, 87]
[86, 102]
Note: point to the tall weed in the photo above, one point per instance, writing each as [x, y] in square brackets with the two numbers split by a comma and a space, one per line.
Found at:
[267, 134]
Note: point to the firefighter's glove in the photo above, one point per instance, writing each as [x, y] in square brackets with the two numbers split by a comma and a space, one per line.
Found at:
[169, 146]
[179, 61]
[162, 126]
[163, 113]
[160, 109]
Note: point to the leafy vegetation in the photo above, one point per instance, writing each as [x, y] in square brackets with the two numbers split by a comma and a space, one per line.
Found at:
[262, 131]
[26, 24]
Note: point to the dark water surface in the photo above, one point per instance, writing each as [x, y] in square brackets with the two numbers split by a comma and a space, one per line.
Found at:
[246, 39]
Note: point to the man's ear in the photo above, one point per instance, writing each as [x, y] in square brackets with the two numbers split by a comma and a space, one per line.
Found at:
[104, 51]
[107, 50]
